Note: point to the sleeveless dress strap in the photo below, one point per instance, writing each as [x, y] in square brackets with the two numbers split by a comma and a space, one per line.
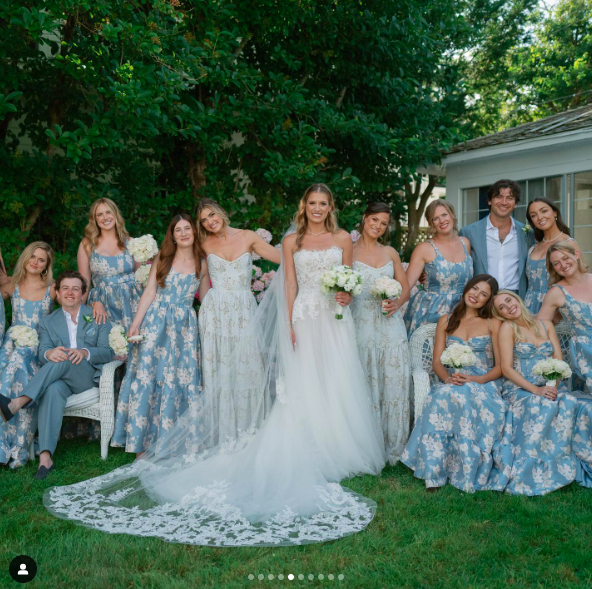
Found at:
[434, 246]
[546, 330]
[464, 247]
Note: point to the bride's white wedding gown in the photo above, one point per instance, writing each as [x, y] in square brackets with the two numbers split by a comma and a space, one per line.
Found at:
[278, 484]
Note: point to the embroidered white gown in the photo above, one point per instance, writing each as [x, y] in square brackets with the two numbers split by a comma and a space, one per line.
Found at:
[279, 484]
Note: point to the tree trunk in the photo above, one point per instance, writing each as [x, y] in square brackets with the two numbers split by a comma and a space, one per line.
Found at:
[196, 169]
[416, 200]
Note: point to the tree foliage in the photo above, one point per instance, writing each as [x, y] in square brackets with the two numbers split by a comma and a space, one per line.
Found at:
[157, 102]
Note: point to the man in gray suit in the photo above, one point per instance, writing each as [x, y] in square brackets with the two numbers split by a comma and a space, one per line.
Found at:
[72, 351]
[499, 246]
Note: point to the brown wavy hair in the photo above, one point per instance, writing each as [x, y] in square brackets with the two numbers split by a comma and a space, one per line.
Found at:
[568, 248]
[431, 209]
[202, 205]
[92, 231]
[372, 209]
[168, 249]
[485, 312]
[301, 220]
[538, 233]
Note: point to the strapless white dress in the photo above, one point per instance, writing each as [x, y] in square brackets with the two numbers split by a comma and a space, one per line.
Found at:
[280, 486]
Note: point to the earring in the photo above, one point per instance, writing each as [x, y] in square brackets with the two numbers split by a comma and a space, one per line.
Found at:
[174, 242]
[44, 272]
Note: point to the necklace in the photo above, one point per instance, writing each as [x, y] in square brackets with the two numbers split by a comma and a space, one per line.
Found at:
[319, 233]
[550, 240]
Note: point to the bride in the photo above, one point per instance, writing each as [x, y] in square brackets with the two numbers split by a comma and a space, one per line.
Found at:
[276, 485]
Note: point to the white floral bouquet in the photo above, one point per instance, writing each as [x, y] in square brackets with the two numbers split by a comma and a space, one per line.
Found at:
[386, 288]
[142, 248]
[458, 356]
[142, 274]
[264, 234]
[551, 369]
[24, 336]
[341, 279]
[118, 340]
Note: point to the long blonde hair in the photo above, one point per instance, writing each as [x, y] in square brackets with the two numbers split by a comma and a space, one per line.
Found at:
[20, 270]
[526, 315]
[202, 205]
[301, 220]
[92, 231]
[568, 248]
[431, 209]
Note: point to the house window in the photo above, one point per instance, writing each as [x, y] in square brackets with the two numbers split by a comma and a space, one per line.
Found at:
[582, 213]
[475, 199]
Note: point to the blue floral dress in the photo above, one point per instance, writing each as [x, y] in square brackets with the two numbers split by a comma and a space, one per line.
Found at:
[2, 321]
[538, 283]
[17, 366]
[383, 349]
[537, 445]
[579, 317]
[114, 285]
[460, 427]
[442, 290]
[163, 375]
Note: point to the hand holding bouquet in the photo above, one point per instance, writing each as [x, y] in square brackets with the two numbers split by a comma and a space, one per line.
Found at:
[24, 336]
[341, 279]
[143, 248]
[458, 356]
[386, 288]
[551, 370]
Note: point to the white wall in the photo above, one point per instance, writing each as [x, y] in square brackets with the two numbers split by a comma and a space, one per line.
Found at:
[519, 161]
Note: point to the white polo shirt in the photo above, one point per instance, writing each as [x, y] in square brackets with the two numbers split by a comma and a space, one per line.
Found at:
[503, 259]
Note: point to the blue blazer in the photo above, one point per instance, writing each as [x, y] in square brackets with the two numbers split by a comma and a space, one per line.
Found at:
[53, 332]
[476, 234]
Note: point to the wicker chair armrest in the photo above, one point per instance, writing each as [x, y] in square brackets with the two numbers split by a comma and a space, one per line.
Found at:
[107, 383]
[421, 389]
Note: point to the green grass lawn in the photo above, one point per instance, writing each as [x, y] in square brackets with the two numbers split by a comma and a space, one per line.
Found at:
[417, 540]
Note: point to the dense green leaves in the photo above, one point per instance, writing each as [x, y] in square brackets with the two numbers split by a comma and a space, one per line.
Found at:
[156, 103]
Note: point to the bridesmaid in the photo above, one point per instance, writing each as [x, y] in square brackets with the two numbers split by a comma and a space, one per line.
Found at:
[571, 294]
[540, 418]
[224, 313]
[545, 218]
[104, 258]
[32, 294]
[382, 340]
[163, 375]
[460, 428]
[447, 263]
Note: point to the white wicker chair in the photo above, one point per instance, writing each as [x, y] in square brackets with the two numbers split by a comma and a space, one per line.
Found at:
[97, 403]
[421, 348]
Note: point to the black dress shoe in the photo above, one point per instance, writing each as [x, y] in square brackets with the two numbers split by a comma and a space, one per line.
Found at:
[6, 413]
[43, 471]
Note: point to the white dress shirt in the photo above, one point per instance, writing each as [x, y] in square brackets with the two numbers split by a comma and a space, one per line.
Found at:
[72, 330]
[503, 259]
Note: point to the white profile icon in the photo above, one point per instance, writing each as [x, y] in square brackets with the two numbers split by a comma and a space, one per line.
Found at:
[23, 570]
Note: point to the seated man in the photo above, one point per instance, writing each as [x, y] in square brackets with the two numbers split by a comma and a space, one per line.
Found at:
[72, 351]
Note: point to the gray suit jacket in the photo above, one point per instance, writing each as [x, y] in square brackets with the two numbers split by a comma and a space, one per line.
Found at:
[53, 332]
[476, 234]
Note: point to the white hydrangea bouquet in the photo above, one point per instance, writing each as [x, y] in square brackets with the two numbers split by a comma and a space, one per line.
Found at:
[341, 279]
[386, 288]
[142, 274]
[118, 340]
[551, 370]
[458, 356]
[24, 336]
[142, 248]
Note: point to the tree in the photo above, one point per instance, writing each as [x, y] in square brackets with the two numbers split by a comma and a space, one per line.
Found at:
[158, 102]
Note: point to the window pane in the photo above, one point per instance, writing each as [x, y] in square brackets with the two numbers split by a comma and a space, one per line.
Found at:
[520, 213]
[536, 188]
[553, 189]
[471, 217]
[583, 212]
[583, 183]
[583, 235]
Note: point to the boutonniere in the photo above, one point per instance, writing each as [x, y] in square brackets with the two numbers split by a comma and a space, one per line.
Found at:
[88, 319]
[527, 228]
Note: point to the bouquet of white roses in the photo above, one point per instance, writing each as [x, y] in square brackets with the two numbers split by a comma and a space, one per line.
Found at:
[142, 248]
[142, 274]
[341, 279]
[458, 356]
[551, 369]
[386, 288]
[24, 336]
[118, 340]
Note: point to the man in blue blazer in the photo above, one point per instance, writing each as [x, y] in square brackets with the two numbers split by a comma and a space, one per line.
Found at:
[72, 351]
[499, 246]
